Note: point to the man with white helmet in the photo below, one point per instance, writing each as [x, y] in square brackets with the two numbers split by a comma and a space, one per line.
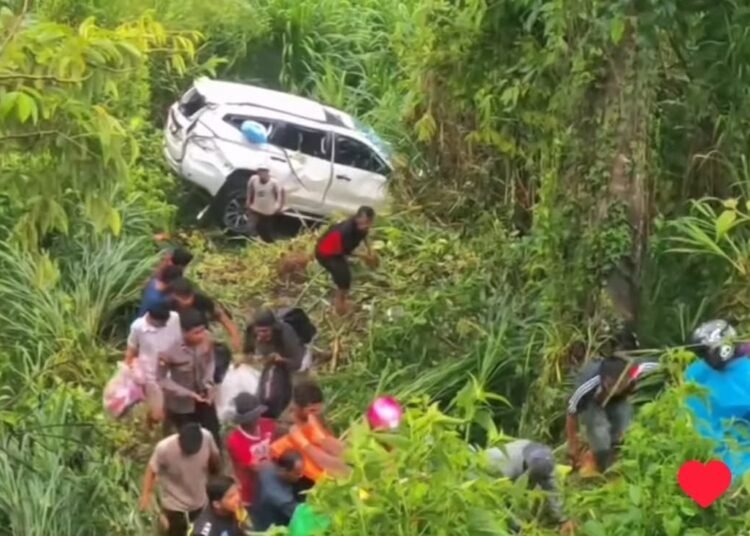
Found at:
[265, 199]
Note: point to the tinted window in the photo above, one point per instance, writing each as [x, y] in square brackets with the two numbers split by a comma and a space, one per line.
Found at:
[355, 154]
[304, 140]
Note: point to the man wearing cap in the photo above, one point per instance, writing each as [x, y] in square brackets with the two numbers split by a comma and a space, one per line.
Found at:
[524, 457]
[265, 199]
[249, 443]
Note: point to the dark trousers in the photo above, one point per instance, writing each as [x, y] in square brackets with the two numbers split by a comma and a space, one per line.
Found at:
[339, 269]
[303, 485]
[263, 225]
[204, 414]
[179, 522]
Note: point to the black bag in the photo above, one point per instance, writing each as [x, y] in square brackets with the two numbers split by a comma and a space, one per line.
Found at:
[222, 360]
[300, 322]
[275, 390]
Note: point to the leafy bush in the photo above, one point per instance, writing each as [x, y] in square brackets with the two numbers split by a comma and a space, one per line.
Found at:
[643, 496]
[421, 480]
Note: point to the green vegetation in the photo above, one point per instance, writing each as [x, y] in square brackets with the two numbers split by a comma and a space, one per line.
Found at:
[553, 159]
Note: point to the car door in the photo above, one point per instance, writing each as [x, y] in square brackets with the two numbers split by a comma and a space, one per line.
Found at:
[359, 176]
[306, 164]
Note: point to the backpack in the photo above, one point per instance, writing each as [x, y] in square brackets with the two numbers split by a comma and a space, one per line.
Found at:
[222, 360]
[300, 322]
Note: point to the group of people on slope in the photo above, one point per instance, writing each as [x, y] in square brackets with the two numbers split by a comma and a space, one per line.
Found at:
[198, 497]
[179, 364]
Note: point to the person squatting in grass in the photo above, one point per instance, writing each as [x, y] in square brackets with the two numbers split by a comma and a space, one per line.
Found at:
[265, 199]
[600, 400]
[186, 375]
[150, 335]
[537, 462]
[224, 514]
[179, 467]
[338, 243]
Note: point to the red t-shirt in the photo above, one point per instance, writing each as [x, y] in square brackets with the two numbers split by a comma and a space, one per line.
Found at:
[247, 450]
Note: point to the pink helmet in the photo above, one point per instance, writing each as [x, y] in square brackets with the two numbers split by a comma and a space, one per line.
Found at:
[385, 413]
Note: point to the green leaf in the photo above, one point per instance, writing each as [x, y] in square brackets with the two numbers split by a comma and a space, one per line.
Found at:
[26, 107]
[617, 29]
[634, 492]
[115, 222]
[725, 222]
[593, 527]
[7, 101]
[673, 526]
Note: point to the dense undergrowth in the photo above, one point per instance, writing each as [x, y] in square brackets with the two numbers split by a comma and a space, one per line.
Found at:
[544, 149]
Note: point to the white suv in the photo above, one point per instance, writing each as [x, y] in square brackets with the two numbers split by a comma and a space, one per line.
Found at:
[328, 161]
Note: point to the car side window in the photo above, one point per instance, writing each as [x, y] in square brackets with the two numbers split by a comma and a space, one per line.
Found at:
[352, 153]
[308, 141]
[237, 120]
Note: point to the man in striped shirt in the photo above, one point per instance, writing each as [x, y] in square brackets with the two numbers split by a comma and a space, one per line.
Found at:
[601, 401]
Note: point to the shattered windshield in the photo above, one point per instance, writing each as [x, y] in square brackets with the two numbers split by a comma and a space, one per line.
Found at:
[367, 131]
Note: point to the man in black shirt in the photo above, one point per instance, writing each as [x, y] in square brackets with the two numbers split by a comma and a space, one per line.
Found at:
[184, 296]
[224, 514]
[338, 243]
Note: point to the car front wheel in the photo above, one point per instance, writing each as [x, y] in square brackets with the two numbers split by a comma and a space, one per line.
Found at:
[232, 212]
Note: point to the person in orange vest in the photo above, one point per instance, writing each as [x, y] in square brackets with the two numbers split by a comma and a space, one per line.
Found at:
[321, 450]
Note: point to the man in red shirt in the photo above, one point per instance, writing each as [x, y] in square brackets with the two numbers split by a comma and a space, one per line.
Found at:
[339, 242]
[249, 444]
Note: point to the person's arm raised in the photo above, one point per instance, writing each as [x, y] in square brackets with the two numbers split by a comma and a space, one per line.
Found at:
[231, 328]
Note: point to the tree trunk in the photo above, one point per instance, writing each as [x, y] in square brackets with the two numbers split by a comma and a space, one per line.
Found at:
[628, 107]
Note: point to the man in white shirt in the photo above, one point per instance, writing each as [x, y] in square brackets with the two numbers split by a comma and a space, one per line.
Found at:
[150, 335]
[265, 199]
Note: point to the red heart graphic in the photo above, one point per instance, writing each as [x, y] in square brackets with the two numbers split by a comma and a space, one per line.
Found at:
[704, 483]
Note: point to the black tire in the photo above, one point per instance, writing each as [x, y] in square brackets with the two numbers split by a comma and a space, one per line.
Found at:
[230, 211]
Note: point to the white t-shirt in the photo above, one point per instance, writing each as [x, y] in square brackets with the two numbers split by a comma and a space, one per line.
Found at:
[265, 196]
[150, 341]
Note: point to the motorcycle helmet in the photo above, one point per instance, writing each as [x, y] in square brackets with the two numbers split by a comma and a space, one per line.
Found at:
[714, 341]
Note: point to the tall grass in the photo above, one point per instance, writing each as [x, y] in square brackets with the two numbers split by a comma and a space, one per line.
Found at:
[60, 476]
[61, 306]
